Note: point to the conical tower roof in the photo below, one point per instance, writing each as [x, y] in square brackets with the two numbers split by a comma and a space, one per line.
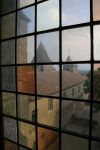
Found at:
[42, 55]
[68, 59]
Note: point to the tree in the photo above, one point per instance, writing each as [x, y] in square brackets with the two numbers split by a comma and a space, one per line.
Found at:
[88, 83]
[96, 88]
[96, 84]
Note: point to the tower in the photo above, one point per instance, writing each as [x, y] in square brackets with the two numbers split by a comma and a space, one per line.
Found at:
[70, 67]
[42, 57]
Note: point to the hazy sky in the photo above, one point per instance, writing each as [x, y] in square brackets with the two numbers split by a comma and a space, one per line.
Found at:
[75, 11]
[97, 42]
[51, 44]
[84, 67]
[48, 15]
[76, 42]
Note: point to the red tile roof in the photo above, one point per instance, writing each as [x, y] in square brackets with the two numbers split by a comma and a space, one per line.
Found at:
[48, 81]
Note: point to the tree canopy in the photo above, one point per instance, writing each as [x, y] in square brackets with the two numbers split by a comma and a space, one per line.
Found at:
[96, 84]
[96, 88]
[88, 83]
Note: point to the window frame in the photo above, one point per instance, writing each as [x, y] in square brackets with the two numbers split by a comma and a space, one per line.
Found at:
[91, 62]
[50, 105]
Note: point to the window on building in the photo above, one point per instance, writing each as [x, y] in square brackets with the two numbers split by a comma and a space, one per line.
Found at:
[48, 47]
[50, 104]
[79, 89]
[73, 92]
[34, 115]
[64, 94]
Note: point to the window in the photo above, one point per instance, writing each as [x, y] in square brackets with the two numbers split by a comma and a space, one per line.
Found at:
[64, 94]
[33, 115]
[79, 89]
[50, 74]
[73, 92]
[50, 104]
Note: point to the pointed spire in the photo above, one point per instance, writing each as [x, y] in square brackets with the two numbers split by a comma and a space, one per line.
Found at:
[42, 55]
[41, 45]
[68, 58]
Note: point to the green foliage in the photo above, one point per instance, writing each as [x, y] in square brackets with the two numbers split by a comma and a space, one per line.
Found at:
[88, 83]
[96, 88]
[96, 107]
[96, 84]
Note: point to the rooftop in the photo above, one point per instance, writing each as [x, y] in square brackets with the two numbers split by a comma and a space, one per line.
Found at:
[48, 81]
[42, 55]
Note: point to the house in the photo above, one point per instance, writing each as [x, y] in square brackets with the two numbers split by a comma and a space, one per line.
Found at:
[48, 108]
[47, 84]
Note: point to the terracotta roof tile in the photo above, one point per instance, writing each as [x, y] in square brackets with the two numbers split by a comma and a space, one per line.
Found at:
[48, 81]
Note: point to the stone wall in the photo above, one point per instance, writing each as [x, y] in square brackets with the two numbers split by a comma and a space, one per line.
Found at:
[77, 93]
[26, 79]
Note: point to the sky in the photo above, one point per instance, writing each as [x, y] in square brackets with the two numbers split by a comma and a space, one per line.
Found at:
[48, 15]
[75, 42]
[51, 44]
[97, 42]
[84, 67]
[75, 11]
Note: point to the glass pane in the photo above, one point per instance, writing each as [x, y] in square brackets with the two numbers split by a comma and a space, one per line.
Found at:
[22, 3]
[96, 10]
[26, 107]
[75, 11]
[70, 142]
[48, 47]
[9, 103]
[48, 80]
[96, 42]
[96, 82]
[26, 79]
[26, 21]
[76, 80]
[8, 78]
[8, 52]
[7, 6]
[8, 26]
[22, 148]
[48, 111]
[9, 145]
[96, 120]
[10, 129]
[95, 145]
[39, 0]
[25, 50]
[76, 44]
[48, 139]
[48, 12]
[75, 116]
[27, 135]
